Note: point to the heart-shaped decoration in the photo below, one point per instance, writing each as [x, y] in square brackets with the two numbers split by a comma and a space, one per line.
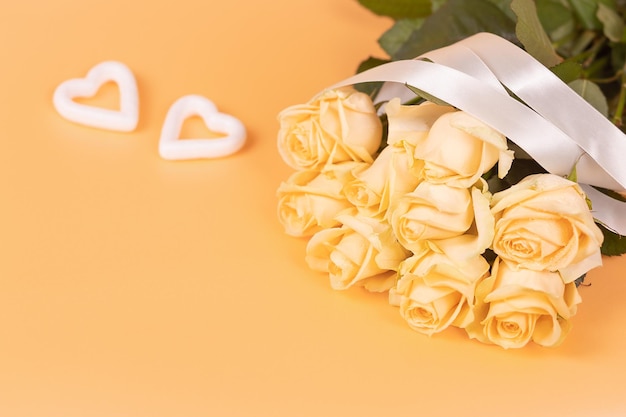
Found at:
[123, 120]
[170, 145]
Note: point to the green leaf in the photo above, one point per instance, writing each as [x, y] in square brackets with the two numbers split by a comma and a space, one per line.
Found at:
[399, 9]
[437, 4]
[370, 62]
[374, 87]
[454, 21]
[532, 35]
[592, 93]
[586, 12]
[505, 7]
[568, 71]
[613, 244]
[557, 19]
[612, 23]
[618, 57]
[583, 41]
[427, 96]
[394, 38]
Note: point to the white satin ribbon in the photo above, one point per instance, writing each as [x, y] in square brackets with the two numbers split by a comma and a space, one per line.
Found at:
[545, 93]
[555, 126]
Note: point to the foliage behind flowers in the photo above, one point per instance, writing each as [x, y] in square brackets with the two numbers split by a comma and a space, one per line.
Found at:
[582, 41]
[440, 210]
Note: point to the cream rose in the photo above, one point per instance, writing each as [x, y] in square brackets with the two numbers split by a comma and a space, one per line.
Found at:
[437, 213]
[336, 126]
[309, 200]
[411, 123]
[392, 175]
[435, 292]
[362, 251]
[515, 306]
[395, 171]
[459, 149]
[544, 223]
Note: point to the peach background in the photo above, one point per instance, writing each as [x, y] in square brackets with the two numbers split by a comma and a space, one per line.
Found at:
[135, 287]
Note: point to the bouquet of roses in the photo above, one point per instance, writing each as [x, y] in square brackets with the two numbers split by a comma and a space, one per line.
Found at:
[453, 185]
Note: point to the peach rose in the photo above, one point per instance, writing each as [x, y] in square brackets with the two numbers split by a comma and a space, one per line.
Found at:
[435, 292]
[362, 251]
[459, 149]
[515, 306]
[437, 213]
[336, 126]
[309, 200]
[411, 123]
[392, 175]
[544, 223]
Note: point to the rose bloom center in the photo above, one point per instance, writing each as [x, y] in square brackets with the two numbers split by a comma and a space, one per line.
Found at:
[521, 245]
[420, 314]
[509, 329]
[297, 146]
[412, 230]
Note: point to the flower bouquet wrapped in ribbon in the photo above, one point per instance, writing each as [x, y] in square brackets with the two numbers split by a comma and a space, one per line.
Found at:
[477, 183]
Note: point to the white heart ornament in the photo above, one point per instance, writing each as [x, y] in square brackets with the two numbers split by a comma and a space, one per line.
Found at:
[124, 120]
[173, 148]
